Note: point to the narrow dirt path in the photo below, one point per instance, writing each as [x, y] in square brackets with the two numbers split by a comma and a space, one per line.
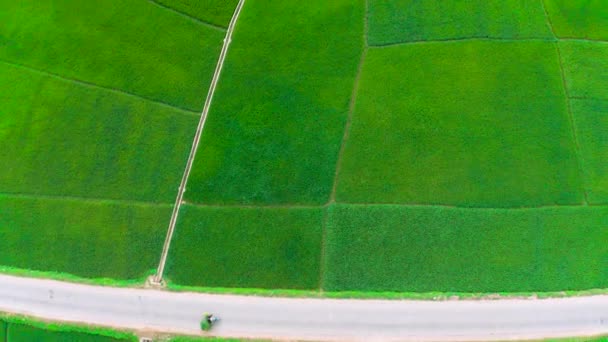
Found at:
[197, 138]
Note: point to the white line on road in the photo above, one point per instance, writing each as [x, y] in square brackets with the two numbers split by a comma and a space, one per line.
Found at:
[197, 138]
[306, 318]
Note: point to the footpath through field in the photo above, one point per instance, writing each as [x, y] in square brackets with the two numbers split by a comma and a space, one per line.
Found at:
[197, 138]
[305, 319]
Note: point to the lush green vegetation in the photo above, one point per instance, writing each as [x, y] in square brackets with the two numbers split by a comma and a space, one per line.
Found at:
[394, 21]
[585, 68]
[3, 326]
[591, 119]
[20, 329]
[579, 19]
[246, 247]
[404, 248]
[455, 129]
[215, 12]
[278, 116]
[88, 239]
[155, 54]
[61, 138]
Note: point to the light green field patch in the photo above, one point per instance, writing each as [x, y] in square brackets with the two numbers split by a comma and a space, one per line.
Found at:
[586, 68]
[132, 45]
[86, 239]
[475, 123]
[216, 12]
[278, 115]
[246, 247]
[591, 118]
[396, 21]
[425, 249]
[62, 138]
[586, 19]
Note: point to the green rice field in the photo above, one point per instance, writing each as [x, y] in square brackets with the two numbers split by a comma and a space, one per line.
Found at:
[372, 146]
[17, 329]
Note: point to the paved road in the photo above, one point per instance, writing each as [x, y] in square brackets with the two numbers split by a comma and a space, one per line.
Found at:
[310, 319]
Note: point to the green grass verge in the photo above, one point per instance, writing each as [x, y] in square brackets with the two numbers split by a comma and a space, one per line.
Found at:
[241, 247]
[437, 295]
[279, 112]
[579, 19]
[215, 12]
[85, 239]
[23, 329]
[585, 68]
[394, 21]
[591, 121]
[474, 123]
[62, 138]
[155, 53]
[419, 249]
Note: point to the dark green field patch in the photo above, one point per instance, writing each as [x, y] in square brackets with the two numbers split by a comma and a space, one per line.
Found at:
[586, 19]
[86, 239]
[585, 68]
[245, 247]
[62, 138]
[27, 333]
[135, 46]
[278, 115]
[422, 249]
[591, 119]
[396, 21]
[475, 123]
[3, 327]
[216, 12]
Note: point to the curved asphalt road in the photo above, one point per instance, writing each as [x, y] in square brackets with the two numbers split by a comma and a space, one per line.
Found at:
[309, 319]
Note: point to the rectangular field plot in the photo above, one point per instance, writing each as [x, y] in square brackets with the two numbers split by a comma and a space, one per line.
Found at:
[63, 138]
[396, 21]
[156, 53]
[585, 68]
[278, 115]
[591, 119]
[239, 247]
[475, 123]
[423, 249]
[87, 239]
[579, 19]
[215, 12]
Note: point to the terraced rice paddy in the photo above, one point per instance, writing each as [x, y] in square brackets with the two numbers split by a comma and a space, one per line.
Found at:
[351, 145]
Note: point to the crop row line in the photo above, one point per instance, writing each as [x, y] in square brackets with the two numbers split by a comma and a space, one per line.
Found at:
[484, 38]
[83, 199]
[96, 86]
[345, 135]
[568, 104]
[188, 16]
[276, 206]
